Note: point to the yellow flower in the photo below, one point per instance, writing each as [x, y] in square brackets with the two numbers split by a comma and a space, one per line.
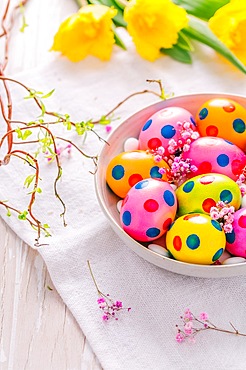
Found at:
[229, 25]
[88, 32]
[154, 25]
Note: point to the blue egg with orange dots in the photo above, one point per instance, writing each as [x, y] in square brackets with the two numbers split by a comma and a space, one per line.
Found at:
[225, 118]
[128, 168]
[202, 192]
[196, 238]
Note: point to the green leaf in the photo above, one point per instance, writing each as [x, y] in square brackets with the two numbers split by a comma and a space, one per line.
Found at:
[203, 9]
[178, 54]
[48, 94]
[184, 42]
[118, 40]
[199, 31]
[29, 179]
[8, 212]
[26, 133]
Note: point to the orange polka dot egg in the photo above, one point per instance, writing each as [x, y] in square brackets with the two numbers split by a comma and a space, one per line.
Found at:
[152, 208]
[223, 118]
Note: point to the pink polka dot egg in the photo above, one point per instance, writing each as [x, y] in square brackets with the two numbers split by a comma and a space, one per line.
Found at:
[236, 240]
[213, 154]
[148, 209]
[163, 126]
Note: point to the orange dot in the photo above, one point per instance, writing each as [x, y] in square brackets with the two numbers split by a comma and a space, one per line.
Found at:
[207, 204]
[177, 243]
[212, 131]
[188, 217]
[229, 108]
[134, 178]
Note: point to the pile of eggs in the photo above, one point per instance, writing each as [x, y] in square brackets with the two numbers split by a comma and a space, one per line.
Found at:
[175, 221]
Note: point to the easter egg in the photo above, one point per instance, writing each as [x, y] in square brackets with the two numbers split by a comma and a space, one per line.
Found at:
[213, 154]
[163, 126]
[148, 209]
[196, 238]
[128, 168]
[224, 118]
[236, 240]
[202, 192]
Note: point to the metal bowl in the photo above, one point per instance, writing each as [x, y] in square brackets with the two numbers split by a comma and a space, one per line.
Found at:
[108, 200]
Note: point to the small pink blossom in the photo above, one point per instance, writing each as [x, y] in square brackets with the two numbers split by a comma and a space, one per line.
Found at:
[179, 337]
[108, 128]
[162, 170]
[203, 316]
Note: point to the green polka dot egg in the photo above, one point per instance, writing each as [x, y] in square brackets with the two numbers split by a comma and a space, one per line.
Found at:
[202, 192]
[196, 238]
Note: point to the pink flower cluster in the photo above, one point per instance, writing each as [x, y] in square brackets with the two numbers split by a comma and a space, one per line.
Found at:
[109, 307]
[241, 183]
[187, 135]
[224, 214]
[191, 326]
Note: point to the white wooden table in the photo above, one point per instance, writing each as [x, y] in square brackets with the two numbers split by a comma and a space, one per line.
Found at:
[36, 329]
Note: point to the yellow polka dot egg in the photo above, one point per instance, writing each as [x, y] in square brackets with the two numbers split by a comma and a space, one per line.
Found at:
[196, 238]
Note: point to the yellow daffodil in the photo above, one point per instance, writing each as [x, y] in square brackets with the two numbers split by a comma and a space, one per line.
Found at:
[154, 25]
[229, 25]
[88, 32]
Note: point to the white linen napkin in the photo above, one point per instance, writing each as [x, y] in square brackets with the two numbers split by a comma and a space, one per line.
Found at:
[143, 338]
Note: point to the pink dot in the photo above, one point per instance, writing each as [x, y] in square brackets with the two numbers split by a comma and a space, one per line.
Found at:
[205, 167]
[154, 143]
[177, 243]
[207, 204]
[242, 221]
[134, 178]
[167, 223]
[151, 205]
[212, 131]
[206, 180]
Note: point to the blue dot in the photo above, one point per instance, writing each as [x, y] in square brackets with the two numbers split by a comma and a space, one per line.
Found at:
[217, 254]
[223, 160]
[168, 131]
[239, 125]
[193, 121]
[147, 125]
[154, 173]
[230, 237]
[118, 172]
[226, 196]
[126, 218]
[152, 232]
[169, 198]
[203, 113]
[229, 142]
[193, 241]
[142, 184]
[188, 186]
[216, 225]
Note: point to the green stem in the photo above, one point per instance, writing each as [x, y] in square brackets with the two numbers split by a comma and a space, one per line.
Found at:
[79, 3]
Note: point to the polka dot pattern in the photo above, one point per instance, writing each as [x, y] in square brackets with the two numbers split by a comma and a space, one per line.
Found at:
[207, 204]
[188, 186]
[168, 131]
[149, 211]
[133, 179]
[230, 237]
[223, 160]
[154, 172]
[212, 131]
[216, 225]
[239, 125]
[177, 243]
[229, 107]
[154, 143]
[226, 196]
[242, 221]
[151, 205]
[118, 172]
[193, 241]
[203, 113]
[217, 255]
[147, 125]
